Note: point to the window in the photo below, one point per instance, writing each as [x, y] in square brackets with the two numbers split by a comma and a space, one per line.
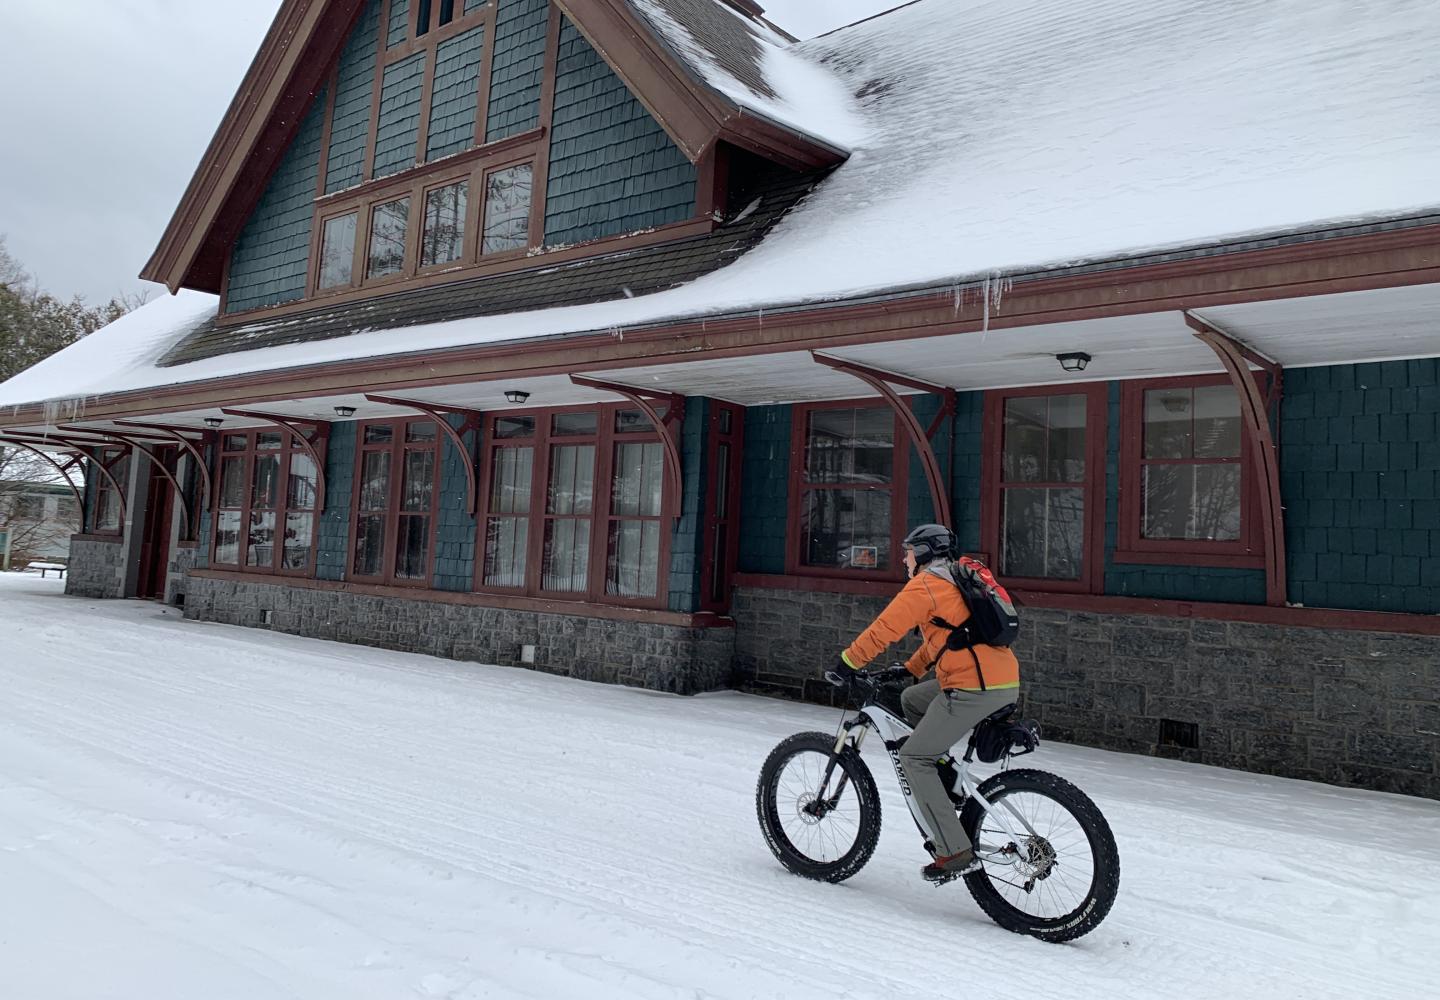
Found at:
[28, 508]
[107, 502]
[444, 238]
[395, 502]
[507, 210]
[266, 505]
[388, 225]
[337, 252]
[575, 506]
[1042, 502]
[851, 489]
[1185, 486]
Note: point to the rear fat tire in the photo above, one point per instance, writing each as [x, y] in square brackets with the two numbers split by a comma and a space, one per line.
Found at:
[1095, 905]
[768, 809]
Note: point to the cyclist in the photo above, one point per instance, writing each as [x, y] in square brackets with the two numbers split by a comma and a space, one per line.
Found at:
[968, 684]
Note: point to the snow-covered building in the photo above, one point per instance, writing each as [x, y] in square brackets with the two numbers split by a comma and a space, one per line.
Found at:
[626, 338]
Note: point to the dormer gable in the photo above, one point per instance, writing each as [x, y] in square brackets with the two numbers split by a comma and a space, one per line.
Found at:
[425, 137]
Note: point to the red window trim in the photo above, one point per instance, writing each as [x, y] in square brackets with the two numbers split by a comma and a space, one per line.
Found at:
[1130, 545]
[899, 493]
[736, 441]
[604, 441]
[1092, 571]
[287, 449]
[397, 446]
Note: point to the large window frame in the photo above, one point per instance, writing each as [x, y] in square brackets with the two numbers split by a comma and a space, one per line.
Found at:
[1131, 545]
[398, 448]
[993, 485]
[542, 440]
[244, 459]
[898, 488]
[117, 461]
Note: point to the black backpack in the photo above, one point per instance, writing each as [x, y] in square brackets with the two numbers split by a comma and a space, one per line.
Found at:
[993, 619]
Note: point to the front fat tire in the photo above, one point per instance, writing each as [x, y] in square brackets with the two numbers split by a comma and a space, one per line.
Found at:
[1087, 916]
[767, 810]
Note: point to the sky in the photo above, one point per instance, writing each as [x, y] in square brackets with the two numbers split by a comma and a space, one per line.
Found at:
[120, 99]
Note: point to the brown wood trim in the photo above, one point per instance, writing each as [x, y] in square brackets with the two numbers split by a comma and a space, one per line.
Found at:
[487, 64]
[322, 173]
[486, 265]
[540, 179]
[1260, 614]
[1390, 260]
[367, 169]
[404, 179]
[187, 544]
[114, 538]
[427, 91]
[570, 609]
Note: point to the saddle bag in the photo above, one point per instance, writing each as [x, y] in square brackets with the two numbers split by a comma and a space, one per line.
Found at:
[1002, 735]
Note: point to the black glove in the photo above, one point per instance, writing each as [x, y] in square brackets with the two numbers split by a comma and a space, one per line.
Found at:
[842, 675]
[896, 672]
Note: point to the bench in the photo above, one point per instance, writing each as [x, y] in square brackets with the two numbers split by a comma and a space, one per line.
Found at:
[47, 568]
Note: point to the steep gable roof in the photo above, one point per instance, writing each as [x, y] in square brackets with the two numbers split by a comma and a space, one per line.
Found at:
[305, 40]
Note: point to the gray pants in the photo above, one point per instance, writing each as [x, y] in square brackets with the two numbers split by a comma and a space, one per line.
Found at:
[941, 719]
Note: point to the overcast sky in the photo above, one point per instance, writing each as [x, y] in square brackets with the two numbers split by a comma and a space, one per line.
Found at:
[109, 104]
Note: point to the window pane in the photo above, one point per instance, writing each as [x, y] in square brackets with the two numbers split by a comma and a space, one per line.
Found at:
[298, 537]
[1168, 423]
[232, 482]
[848, 529]
[567, 553]
[387, 237]
[265, 480]
[513, 427]
[444, 224]
[261, 549]
[369, 545]
[300, 491]
[419, 484]
[421, 430]
[268, 440]
[637, 482]
[633, 558]
[505, 542]
[337, 251]
[572, 479]
[235, 442]
[510, 483]
[568, 424]
[727, 421]
[227, 537]
[412, 547]
[718, 554]
[850, 446]
[720, 492]
[507, 210]
[1196, 502]
[632, 422]
[375, 481]
[1044, 439]
[1044, 533]
[379, 434]
[1217, 422]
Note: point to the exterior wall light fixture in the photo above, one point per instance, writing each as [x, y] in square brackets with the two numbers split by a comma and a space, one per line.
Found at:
[516, 396]
[213, 422]
[1075, 361]
[344, 411]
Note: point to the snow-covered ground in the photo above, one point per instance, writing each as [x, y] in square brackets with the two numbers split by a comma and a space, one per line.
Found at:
[192, 810]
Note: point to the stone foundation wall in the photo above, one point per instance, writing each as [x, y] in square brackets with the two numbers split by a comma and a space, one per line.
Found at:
[97, 569]
[182, 561]
[1345, 707]
[661, 657]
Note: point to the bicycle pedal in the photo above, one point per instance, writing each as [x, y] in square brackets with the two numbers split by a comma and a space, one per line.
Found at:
[946, 879]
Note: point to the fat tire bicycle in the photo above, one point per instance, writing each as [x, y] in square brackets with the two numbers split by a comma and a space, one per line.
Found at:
[1049, 865]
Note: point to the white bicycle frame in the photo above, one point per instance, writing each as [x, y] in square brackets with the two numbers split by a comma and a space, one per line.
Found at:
[892, 730]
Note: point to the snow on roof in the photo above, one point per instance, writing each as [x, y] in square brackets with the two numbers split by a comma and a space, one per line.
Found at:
[1001, 136]
[757, 68]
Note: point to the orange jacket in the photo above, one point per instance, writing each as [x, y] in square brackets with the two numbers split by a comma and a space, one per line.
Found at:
[931, 593]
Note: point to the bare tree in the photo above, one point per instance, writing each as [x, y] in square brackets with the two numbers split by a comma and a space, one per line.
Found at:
[37, 510]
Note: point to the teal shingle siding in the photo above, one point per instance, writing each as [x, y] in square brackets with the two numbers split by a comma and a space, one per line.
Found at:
[455, 98]
[687, 533]
[455, 528]
[271, 257]
[920, 506]
[1360, 479]
[764, 489]
[474, 5]
[399, 127]
[516, 68]
[355, 82]
[612, 167]
[333, 536]
[399, 29]
[1192, 583]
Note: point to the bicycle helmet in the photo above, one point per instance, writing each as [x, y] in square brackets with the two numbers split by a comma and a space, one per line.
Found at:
[930, 541]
